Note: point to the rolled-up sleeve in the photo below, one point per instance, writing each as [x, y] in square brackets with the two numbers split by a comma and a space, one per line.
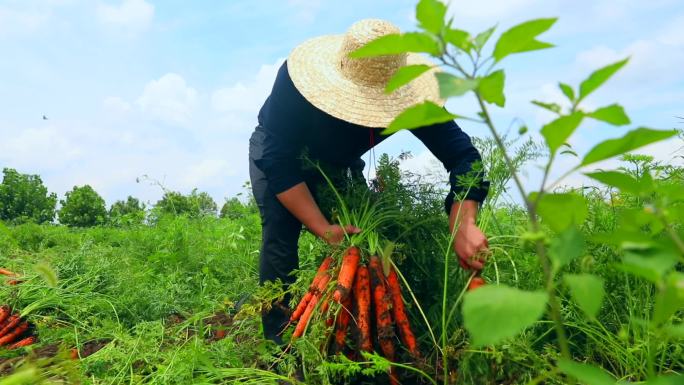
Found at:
[283, 120]
[456, 151]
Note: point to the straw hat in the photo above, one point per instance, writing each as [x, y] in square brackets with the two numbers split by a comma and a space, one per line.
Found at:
[353, 89]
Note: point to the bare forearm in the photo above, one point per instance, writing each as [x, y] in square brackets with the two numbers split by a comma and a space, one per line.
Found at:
[463, 213]
[299, 201]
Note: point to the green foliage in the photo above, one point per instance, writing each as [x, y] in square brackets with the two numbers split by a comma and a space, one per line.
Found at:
[398, 43]
[494, 313]
[561, 210]
[598, 77]
[196, 204]
[419, 115]
[430, 15]
[585, 373]
[632, 140]
[523, 38]
[491, 88]
[613, 114]
[233, 208]
[566, 247]
[450, 85]
[128, 212]
[404, 75]
[587, 291]
[82, 207]
[559, 130]
[23, 198]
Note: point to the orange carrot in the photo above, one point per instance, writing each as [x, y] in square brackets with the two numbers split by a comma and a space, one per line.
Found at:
[309, 294]
[382, 302]
[4, 313]
[362, 299]
[399, 313]
[304, 320]
[7, 272]
[11, 322]
[13, 282]
[476, 282]
[342, 325]
[11, 336]
[73, 353]
[25, 342]
[350, 262]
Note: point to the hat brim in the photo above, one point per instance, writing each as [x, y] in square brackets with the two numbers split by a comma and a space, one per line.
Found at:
[314, 69]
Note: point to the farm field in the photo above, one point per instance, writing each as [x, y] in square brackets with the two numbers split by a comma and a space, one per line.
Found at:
[580, 236]
[177, 300]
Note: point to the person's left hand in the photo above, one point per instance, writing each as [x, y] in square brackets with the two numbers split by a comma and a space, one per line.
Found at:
[471, 246]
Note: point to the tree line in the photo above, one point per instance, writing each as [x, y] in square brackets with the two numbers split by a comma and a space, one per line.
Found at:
[25, 198]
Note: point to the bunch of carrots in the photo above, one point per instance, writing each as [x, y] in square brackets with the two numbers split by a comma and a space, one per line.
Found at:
[14, 331]
[371, 309]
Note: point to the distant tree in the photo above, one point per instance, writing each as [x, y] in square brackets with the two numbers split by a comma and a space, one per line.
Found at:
[24, 198]
[127, 212]
[196, 204]
[233, 208]
[82, 207]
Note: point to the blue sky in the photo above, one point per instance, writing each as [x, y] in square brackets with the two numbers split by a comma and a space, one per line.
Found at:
[171, 89]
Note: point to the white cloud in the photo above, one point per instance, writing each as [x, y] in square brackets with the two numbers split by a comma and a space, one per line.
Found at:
[45, 148]
[169, 99]
[135, 14]
[247, 97]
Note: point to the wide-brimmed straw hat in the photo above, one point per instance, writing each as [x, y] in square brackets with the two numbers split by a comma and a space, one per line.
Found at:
[354, 89]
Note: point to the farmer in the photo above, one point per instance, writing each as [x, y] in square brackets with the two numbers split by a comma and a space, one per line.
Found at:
[333, 108]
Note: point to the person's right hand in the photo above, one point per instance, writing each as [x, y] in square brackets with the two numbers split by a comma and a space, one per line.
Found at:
[334, 234]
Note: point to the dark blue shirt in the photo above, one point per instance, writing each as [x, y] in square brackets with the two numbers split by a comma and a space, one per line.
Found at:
[292, 124]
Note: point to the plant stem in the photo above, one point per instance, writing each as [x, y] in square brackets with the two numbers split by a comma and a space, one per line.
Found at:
[541, 251]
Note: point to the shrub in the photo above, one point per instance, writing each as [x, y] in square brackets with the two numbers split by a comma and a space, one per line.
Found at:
[24, 198]
[128, 212]
[193, 205]
[82, 207]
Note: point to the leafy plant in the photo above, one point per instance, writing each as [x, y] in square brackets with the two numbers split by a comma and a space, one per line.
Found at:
[82, 207]
[23, 198]
[468, 69]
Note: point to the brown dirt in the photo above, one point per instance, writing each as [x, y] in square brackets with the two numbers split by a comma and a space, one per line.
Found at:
[218, 324]
[91, 347]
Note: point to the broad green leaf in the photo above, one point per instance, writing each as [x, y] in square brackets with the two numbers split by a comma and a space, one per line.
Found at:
[420, 115]
[632, 140]
[650, 264]
[566, 247]
[559, 130]
[622, 181]
[599, 77]
[522, 130]
[613, 114]
[586, 374]
[670, 298]
[430, 15]
[482, 38]
[493, 313]
[562, 210]
[587, 291]
[492, 88]
[450, 85]
[394, 44]
[404, 75]
[458, 38]
[567, 91]
[553, 107]
[522, 38]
